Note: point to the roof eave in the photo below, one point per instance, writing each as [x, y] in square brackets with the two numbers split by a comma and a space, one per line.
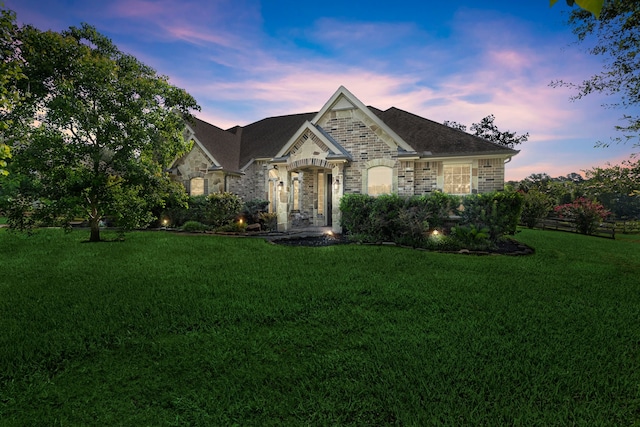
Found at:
[482, 155]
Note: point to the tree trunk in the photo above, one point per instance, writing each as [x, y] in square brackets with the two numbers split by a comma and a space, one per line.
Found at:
[94, 223]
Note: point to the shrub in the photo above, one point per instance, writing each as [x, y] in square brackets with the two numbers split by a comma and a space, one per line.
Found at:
[435, 207]
[498, 211]
[222, 209]
[471, 237]
[194, 226]
[386, 219]
[356, 210]
[536, 206]
[215, 210]
[233, 227]
[268, 220]
[586, 214]
[252, 209]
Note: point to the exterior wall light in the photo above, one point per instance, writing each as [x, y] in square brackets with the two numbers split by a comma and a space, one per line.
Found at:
[280, 186]
[336, 184]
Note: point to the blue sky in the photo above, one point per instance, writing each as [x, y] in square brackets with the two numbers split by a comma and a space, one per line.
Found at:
[244, 60]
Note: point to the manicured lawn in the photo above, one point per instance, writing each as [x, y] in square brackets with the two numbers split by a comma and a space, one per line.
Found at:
[167, 329]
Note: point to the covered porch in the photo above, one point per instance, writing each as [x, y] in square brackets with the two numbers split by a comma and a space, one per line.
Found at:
[305, 194]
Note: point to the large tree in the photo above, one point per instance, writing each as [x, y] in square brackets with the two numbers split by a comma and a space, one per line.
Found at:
[615, 38]
[97, 130]
[488, 130]
[10, 73]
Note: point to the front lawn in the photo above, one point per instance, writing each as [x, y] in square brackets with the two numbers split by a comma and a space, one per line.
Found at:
[170, 329]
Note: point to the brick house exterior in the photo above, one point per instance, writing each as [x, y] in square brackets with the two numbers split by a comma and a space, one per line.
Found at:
[304, 163]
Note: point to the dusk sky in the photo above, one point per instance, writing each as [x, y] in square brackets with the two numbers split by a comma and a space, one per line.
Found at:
[244, 60]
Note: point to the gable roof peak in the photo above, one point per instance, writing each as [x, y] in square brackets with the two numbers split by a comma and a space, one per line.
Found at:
[339, 100]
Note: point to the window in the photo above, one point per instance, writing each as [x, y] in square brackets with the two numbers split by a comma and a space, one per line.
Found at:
[197, 187]
[296, 191]
[457, 179]
[379, 180]
[320, 193]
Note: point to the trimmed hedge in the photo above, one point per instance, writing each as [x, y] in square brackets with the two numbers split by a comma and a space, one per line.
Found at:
[499, 212]
[481, 219]
[215, 210]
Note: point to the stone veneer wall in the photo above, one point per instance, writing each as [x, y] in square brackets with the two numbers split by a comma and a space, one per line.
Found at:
[490, 175]
[308, 193]
[349, 129]
[253, 184]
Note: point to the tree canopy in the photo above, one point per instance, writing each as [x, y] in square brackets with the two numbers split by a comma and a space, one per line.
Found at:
[488, 130]
[615, 39]
[10, 73]
[95, 132]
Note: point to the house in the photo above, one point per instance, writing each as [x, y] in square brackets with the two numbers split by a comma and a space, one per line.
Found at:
[304, 163]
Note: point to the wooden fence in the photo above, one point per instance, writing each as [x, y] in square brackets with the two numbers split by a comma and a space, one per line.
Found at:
[628, 227]
[606, 229]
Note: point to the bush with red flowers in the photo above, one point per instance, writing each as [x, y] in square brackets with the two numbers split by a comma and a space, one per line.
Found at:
[586, 214]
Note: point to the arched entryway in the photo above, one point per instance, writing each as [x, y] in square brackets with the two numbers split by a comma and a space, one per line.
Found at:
[308, 194]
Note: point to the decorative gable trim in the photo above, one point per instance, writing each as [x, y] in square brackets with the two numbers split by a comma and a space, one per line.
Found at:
[306, 136]
[342, 99]
[321, 139]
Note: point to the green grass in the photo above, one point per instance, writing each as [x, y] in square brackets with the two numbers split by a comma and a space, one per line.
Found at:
[169, 329]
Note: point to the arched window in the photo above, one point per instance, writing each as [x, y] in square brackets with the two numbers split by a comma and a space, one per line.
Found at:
[379, 180]
[197, 186]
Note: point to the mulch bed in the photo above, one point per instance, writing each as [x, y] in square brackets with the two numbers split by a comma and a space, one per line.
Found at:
[505, 247]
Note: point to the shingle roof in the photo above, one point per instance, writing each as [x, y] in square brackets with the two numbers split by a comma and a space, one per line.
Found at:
[237, 146]
[223, 145]
[264, 138]
[425, 135]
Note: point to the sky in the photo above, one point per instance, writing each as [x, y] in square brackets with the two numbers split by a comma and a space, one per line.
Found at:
[456, 60]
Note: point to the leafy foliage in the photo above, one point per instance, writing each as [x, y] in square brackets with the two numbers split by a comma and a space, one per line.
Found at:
[617, 187]
[587, 214]
[268, 220]
[222, 209]
[536, 206]
[410, 221]
[615, 39]
[194, 227]
[252, 210]
[96, 129]
[488, 130]
[497, 212]
[355, 209]
[215, 210]
[470, 236]
[10, 74]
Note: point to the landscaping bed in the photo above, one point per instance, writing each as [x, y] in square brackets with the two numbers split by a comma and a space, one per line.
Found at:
[503, 247]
